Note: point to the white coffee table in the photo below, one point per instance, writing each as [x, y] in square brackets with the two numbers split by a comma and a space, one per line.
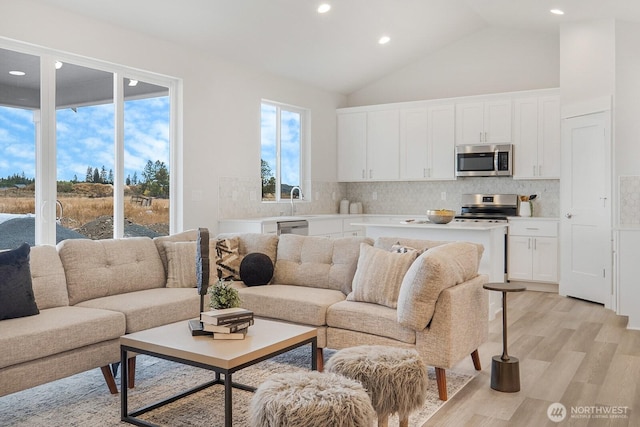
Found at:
[265, 339]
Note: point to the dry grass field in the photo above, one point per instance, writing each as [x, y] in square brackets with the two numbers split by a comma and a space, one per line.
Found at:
[78, 210]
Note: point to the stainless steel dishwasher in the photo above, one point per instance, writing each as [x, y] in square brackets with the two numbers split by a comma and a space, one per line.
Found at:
[300, 227]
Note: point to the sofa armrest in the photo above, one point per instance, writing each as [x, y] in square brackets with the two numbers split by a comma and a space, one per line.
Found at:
[459, 325]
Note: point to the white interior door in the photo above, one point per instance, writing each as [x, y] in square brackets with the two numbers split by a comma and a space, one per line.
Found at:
[585, 205]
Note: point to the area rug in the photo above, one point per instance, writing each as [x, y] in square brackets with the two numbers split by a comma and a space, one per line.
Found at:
[84, 400]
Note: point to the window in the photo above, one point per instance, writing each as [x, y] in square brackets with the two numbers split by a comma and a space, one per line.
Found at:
[282, 147]
[99, 152]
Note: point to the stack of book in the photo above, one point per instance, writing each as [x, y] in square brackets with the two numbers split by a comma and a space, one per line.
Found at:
[227, 323]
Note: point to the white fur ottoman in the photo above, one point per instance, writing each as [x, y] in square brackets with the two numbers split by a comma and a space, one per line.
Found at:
[395, 378]
[310, 399]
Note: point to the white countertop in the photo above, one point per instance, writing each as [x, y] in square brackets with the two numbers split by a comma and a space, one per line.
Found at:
[402, 222]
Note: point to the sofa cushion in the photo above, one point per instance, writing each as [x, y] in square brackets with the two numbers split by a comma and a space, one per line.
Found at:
[151, 307]
[99, 268]
[185, 236]
[379, 275]
[181, 264]
[16, 290]
[56, 330]
[47, 275]
[299, 304]
[368, 318]
[318, 262]
[437, 269]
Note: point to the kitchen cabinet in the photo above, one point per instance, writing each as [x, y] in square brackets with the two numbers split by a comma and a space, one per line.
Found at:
[368, 146]
[352, 146]
[483, 121]
[536, 137]
[532, 250]
[427, 143]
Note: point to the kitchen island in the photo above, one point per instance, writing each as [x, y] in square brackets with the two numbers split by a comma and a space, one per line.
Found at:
[490, 235]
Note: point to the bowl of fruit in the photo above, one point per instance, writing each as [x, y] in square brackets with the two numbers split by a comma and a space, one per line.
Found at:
[441, 216]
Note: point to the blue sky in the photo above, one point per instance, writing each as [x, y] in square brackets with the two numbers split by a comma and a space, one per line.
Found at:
[85, 138]
[289, 141]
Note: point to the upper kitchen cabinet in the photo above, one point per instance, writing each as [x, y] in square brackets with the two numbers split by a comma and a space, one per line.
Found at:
[427, 143]
[536, 137]
[352, 146]
[368, 145]
[483, 121]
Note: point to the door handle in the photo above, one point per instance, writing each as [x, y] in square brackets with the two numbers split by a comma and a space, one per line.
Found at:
[569, 216]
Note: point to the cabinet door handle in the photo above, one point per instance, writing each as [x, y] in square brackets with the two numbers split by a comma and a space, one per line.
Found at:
[485, 137]
[540, 170]
[480, 136]
[529, 243]
[370, 173]
[535, 244]
[534, 170]
[362, 173]
[424, 172]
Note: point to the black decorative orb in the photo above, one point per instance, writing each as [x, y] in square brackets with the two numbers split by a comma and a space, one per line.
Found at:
[256, 269]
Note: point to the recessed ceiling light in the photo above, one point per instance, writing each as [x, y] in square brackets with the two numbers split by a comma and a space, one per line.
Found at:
[17, 73]
[58, 65]
[133, 82]
[384, 40]
[557, 11]
[324, 8]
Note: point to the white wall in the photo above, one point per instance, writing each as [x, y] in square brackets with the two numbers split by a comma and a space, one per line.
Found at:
[587, 60]
[627, 105]
[490, 61]
[221, 99]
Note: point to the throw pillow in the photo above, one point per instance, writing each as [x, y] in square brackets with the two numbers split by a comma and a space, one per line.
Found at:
[256, 269]
[16, 290]
[181, 264]
[228, 258]
[379, 275]
[437, 269]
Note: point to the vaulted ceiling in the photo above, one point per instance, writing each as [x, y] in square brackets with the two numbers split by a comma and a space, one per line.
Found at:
[338, 50]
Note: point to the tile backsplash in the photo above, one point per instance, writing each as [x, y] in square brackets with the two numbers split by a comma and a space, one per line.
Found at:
[240, 197]
[629, 188]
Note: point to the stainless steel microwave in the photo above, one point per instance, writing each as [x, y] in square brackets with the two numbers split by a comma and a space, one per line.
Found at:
[484, 160]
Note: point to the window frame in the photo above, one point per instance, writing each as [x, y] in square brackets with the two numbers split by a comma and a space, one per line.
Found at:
[304, 169]
[46, 144]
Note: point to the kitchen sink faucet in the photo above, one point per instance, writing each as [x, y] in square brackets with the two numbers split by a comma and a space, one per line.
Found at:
[300, 197]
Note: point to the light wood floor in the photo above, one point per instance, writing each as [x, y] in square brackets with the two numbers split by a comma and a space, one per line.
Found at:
[571, 351]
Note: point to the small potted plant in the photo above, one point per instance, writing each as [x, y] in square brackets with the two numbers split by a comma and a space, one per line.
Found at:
[223, 296]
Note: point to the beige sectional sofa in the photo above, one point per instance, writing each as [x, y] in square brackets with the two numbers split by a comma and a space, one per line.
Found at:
[89, 293]
[441, 308]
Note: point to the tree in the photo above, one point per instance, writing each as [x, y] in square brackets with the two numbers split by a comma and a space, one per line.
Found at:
[110, 177]
[89, 177]
[268, 180]
[75, 179]
[103, 175]
[96, 176]
[134, 180]
[128, 180]
[155, 179]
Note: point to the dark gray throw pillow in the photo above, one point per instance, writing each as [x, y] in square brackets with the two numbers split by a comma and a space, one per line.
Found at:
[16, 290]
[256, 269]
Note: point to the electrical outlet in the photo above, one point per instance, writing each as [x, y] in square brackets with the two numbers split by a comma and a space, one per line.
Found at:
[374, 196]
[443, 195]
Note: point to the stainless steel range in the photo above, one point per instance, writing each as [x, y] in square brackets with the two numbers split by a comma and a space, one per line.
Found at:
[487, 207]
